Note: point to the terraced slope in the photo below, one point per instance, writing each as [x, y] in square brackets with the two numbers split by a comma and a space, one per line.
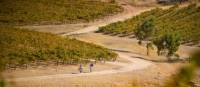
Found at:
[185, 21]
[21, 47]
[54, 11]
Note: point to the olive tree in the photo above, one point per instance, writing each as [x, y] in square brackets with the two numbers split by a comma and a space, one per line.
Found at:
[169, 43]
[145, 31]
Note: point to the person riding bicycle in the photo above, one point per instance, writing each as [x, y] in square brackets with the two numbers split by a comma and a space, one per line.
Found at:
[91, 66]
[81, 68]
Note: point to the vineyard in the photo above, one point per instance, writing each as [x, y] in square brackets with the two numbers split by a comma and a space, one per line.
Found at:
[184, 21]
[22, 12]
[20, 48]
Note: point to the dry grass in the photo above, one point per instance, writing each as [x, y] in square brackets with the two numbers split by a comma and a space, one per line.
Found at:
[151, 77]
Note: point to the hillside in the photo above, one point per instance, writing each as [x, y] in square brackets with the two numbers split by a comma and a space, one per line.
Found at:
[22, 12]
[20, 47]
[185, 21]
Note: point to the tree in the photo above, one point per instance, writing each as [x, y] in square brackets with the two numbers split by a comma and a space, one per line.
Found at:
[160, 44]
[172, 43]
[169, 42]
[145, 30]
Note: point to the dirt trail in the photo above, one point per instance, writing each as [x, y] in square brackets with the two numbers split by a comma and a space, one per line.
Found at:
[135, 64]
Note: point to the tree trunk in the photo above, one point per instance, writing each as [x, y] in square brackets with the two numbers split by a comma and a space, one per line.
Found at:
[140, 42]
[148, 51]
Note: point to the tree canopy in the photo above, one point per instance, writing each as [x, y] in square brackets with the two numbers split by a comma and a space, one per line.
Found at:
[145, 30]
[169, 42]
